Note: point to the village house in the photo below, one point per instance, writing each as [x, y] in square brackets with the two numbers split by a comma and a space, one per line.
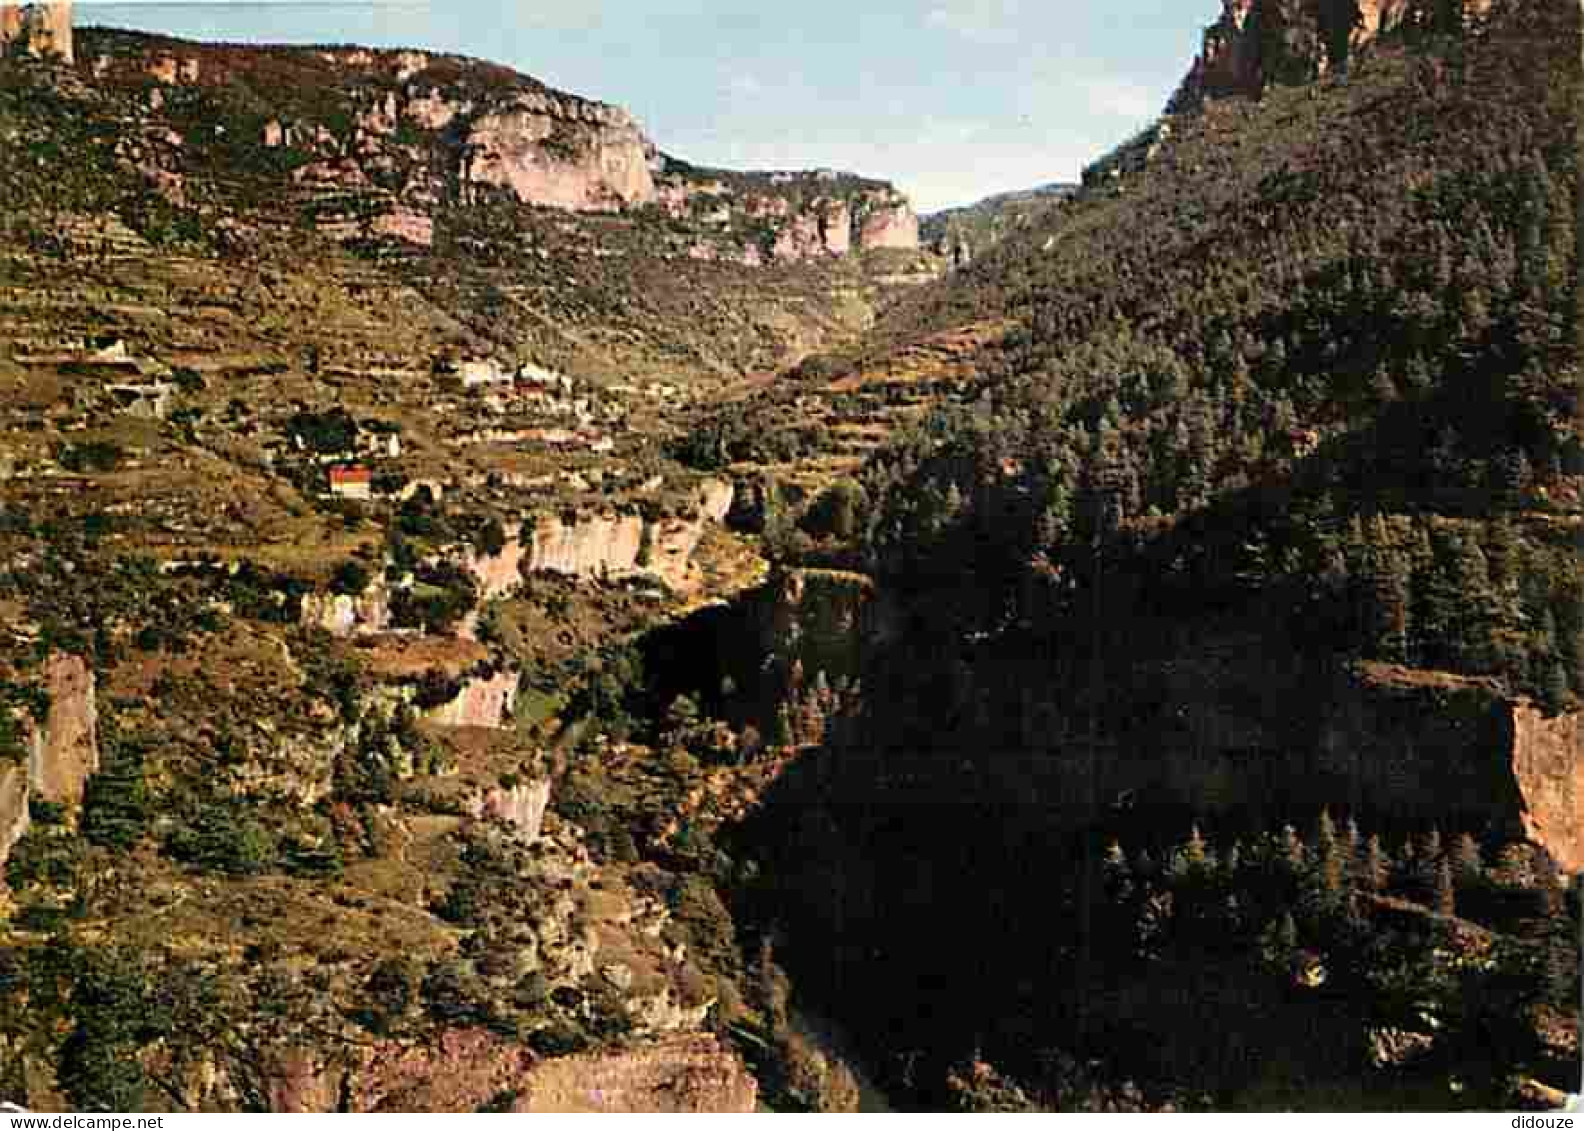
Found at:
[483, 371]
[351, 482]
[148, 402]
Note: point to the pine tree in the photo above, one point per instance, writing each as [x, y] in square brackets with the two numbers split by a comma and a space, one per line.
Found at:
[1375, 872]
[1117, 873]
[1195, 852]
[1292, 850]
[1470, 869]
[1445, 893]
[781, 730]
[1353, 849]
[115, 800]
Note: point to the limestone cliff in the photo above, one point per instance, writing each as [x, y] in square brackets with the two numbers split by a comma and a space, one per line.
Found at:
[65, 752]
[603, 546]
[345, 614]
[45, 29]
[558, 152]
[483, 702]
[790, 217]
[467, 1069]
[1259, 42]
[689, 1074]
[375, 148]
[13, 811]
[521, 806]
[1548, 763]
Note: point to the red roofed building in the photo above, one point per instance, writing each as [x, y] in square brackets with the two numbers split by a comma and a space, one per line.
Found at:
[351, 482]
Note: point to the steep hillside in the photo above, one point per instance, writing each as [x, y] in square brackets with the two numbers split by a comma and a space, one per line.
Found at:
[959, 234]
[499, 618]
[1258, 491]
[333, 386]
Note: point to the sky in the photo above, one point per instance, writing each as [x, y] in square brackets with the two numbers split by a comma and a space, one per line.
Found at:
[952, 100]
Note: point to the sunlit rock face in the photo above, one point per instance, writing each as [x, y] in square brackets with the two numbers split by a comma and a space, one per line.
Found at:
[13, 810]
[484, 702]
[65, 752]
[47, 28]
[1258, 42]
[599, 546]
[560, 153]
[467, 1069]
[346, 614]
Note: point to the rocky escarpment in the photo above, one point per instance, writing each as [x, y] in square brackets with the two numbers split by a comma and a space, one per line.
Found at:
[1229, 723]
[14, 817]
[1259, 42]
[520, 805]
[691, 1074]
[557, 152]
[45, 29]
[66, 751]
[469, 1069]
[600, 546]
[484, 701]
[62, 753]
[789, 217]
[374, 147]
[347, 614]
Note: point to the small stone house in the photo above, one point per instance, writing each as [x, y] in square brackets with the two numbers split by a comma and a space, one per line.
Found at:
[351, 482]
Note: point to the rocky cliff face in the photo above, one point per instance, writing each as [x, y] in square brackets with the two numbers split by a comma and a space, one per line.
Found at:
[467, 1069]
[1259, 42]
[412, 132]
[45, 28]
[66, 751]
[484, 702]
[558, 152]
[792, 217]
[342, 614]
[521, 806]
[1548, 764]
[690, 1074]
[13, 811]
[603, 546]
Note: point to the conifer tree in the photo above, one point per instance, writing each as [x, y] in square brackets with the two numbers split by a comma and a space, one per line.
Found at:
[1470, 869]
[1445, 892]
[1375, 872]
[115, 800]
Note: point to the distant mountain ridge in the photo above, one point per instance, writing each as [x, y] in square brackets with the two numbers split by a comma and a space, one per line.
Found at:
[374, 142]
[961, 233]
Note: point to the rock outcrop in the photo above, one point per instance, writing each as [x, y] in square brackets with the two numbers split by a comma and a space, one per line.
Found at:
[690, 1074]
[890, 223]
[65, 753]
[470, 1069]
[522, 806]
[45, 29]
[793, 217]
[560, 153]
[483, 702]
[1548, 764]
[595, 546]
[343, 614]
[14, 818]
[599, 546]
[1259, 42]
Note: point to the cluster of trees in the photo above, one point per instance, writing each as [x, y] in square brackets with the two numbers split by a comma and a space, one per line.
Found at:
[443, 593]
[1346, 384]
[1337, 912]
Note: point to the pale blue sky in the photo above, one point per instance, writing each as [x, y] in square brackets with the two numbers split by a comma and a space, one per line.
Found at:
[951, 99]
